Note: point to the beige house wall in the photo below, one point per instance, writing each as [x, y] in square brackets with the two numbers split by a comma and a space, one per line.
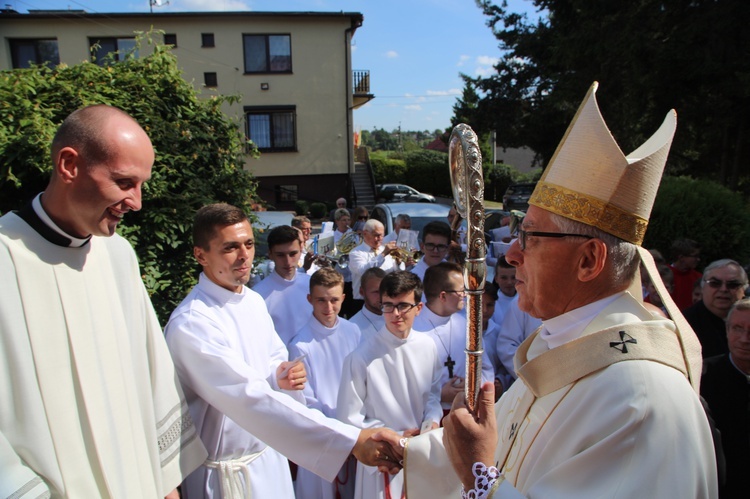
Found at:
[319, 85]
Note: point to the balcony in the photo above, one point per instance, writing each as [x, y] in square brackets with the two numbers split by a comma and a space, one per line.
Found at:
[361, 86]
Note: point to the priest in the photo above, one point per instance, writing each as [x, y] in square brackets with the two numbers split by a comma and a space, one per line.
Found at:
[90, 405]
[606, 403]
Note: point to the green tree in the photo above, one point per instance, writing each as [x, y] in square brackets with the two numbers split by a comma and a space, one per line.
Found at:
[649, 56]
[200, 153]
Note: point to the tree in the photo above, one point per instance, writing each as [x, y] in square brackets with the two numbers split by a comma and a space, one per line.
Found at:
[649, 56]
[200, 153]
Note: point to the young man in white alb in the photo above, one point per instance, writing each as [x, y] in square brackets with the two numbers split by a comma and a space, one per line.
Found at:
[325, 341]
[370, 318]
[436, 239]
[247, 407]
[442, 321]
[392, 379]
[285, 290]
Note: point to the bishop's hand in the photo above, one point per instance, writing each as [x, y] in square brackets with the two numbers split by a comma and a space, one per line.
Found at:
[470, 439]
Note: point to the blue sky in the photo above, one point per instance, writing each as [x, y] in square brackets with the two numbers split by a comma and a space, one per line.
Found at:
[414, 49]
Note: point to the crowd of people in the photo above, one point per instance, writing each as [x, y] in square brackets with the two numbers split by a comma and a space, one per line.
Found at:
[315, 382]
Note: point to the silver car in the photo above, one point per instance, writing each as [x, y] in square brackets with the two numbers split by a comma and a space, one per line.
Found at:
[421, 214]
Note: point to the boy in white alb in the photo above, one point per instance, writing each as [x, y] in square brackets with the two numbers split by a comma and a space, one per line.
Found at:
[392, 379]
[325, 341]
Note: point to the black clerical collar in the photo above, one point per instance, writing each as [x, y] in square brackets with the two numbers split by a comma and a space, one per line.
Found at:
[46, 227]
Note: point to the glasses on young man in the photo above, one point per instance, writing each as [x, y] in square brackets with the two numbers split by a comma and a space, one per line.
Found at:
[433, 247]
[362, 218]
[403, 307]
[459, 292]
[718, 283]
[523, 234]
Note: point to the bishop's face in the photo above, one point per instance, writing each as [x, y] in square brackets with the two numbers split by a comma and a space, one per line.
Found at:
[545, 269]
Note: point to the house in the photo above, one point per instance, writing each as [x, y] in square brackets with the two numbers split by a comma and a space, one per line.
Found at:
[292, 71]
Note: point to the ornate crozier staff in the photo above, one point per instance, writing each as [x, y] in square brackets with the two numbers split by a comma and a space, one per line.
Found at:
[465, 163]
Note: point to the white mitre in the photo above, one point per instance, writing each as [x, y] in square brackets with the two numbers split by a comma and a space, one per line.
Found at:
[591, 181]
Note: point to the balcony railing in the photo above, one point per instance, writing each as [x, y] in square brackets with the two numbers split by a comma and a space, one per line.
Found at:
[361, 81]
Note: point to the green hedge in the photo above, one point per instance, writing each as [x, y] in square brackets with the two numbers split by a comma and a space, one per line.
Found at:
[200, 153]
[714, 216]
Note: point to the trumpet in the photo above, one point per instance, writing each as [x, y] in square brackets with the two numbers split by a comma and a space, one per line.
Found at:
[401, 255]
[327, 260]
[340, 254]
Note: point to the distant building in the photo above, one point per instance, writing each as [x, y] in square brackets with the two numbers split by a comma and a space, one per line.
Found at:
[521, 158]
[291, 69]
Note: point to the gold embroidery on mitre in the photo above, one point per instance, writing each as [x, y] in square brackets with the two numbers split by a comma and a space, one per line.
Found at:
[591, 211]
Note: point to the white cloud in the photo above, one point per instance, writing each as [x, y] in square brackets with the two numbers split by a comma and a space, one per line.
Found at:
[443, 93]
[485, 71]
[485, 60]
[391, 54]
[463, 60]
[209, 5]
[413, 107]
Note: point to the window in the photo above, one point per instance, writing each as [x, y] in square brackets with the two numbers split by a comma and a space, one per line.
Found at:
[286, 193]
[25, 52]
[210, 80]
[119, 48]
[207, 40]
[170, 39]
[272, 129]
[268, 53]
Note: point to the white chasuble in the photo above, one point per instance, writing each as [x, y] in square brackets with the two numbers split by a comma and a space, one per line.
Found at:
[89, 400]
[628, 429]
[287, 303]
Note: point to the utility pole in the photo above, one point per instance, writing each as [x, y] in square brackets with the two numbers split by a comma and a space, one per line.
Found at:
[493, 139]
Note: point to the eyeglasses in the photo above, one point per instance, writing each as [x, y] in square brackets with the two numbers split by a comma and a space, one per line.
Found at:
[718, 283]
[459, 292]
[362, 218]
[433, 247]
[403, 307]
[523, 234]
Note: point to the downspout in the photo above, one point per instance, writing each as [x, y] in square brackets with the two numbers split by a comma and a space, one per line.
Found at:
[348, 35]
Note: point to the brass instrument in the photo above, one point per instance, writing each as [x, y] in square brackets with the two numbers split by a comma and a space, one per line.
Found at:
[340, 257]
[403, 255]
[467, 181]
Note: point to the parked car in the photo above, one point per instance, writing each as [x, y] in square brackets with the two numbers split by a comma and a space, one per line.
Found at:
[388, 193]
[517, 196]
[421, 214]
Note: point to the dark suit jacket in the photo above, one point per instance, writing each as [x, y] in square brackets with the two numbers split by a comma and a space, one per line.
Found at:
[727, 392]
[710, 329]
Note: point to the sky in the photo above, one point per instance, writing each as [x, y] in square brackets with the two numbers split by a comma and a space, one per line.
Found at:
[415, 50]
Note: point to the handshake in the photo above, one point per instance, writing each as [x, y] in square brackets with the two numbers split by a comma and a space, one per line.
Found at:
[381, 447]
[384, 448]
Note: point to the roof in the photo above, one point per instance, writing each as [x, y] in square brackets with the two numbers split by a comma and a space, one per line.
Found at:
[77, 14]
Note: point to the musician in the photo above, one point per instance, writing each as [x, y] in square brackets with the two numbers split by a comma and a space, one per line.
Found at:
[371, 253]
[606, 402]
[344, 232]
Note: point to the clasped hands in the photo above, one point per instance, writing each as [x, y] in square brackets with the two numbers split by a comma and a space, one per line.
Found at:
[294, 378]
[383, 447]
